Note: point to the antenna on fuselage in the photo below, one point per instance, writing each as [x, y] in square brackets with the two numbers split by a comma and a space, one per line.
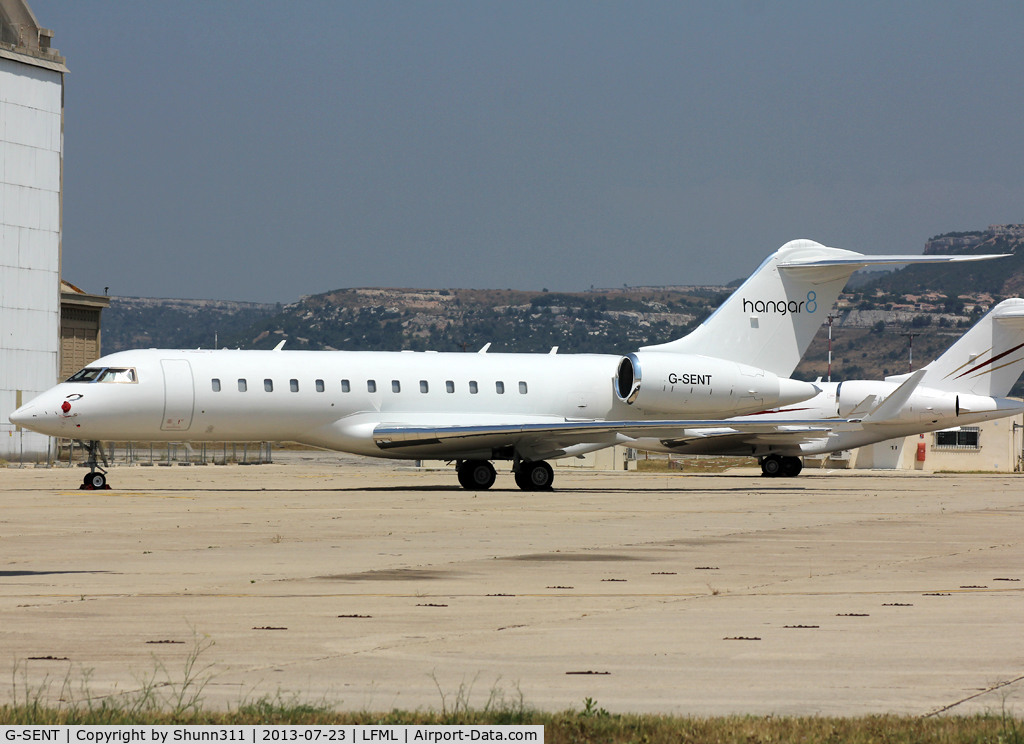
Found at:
[486, 347]
[281, 345]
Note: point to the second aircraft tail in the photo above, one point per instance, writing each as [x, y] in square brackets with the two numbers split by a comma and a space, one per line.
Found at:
[988, 359]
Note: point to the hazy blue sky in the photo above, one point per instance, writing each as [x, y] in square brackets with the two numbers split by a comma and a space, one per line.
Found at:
[264, 150]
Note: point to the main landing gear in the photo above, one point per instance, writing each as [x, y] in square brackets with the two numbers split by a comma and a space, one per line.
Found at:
[476, 475]
[535, 476]
[479, 475]
[775, 466]
[96, 478]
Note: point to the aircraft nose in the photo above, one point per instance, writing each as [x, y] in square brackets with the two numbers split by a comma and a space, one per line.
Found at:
[22, 416]
[795, 391]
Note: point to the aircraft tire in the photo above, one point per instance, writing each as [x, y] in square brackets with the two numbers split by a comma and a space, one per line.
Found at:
[94, 481]
[535, 476]
[477, 475]
[540, 476]
[771, 466]
[791, 466]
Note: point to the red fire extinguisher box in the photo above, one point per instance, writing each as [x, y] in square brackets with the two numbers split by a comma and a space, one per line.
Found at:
[922, 449]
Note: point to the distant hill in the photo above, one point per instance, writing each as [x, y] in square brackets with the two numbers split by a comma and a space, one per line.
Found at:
[143, 322]
[937, 304]
[600, 321]
[1002, 277]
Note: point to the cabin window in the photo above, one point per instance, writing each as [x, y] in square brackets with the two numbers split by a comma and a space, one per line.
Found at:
[472, 387]
[345, 386]
[499, 387]
[424, 387]
[522, 388]
[241, 386]
[268, 385]
[396, 386]
[215, 383]
[449, 385]
[371, 386]
[293, 385]
[319, 386]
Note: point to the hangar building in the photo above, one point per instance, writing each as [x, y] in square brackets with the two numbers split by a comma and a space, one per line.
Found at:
[31, 178]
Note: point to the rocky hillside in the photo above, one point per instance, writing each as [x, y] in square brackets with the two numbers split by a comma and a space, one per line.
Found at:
[143, 322]
[1002, 277]
[466, 319]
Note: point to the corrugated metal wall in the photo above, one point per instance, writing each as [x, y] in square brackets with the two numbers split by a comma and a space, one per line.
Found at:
[31, 148]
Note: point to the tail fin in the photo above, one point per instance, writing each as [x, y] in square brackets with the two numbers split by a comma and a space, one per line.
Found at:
[988, 359]
[771, 319]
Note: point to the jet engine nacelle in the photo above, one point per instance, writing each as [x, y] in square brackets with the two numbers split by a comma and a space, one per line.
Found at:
[859, 397]
[687, 384]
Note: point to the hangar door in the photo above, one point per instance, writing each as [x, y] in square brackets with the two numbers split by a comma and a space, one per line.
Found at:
[79, 339]
[179, 395]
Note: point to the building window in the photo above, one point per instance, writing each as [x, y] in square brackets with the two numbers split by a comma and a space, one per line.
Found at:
[371, 386]
[472, 387]
[424, 386]
[293, 385]
[396, 386]
[449, 385]
[268, 385]
[499, 388]
[241, 386]
[215, 383]
[345, 386]
[319, 386]
[965, 438]
[522, 388]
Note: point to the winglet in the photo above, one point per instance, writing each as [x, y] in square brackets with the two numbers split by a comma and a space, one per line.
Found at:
[891, 406]
[281, 345]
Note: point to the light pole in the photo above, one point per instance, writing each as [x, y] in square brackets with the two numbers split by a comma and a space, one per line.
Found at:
[830, 319]
[911, 337]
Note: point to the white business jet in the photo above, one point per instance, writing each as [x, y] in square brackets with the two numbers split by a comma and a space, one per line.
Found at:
[966, 385]
[471, 408]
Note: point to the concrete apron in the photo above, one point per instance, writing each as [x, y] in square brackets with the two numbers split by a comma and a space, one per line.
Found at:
[372, 587]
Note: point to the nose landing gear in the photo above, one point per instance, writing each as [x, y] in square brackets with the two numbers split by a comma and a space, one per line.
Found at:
[96, 478]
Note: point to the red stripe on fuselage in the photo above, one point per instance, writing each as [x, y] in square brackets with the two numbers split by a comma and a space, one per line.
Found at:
[993, 359]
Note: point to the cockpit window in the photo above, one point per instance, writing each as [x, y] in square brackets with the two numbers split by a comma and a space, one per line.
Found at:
[104, 374]
[86, 375]
[118, 374]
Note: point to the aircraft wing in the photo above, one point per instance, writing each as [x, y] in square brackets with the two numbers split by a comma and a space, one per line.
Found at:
[540, 438]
